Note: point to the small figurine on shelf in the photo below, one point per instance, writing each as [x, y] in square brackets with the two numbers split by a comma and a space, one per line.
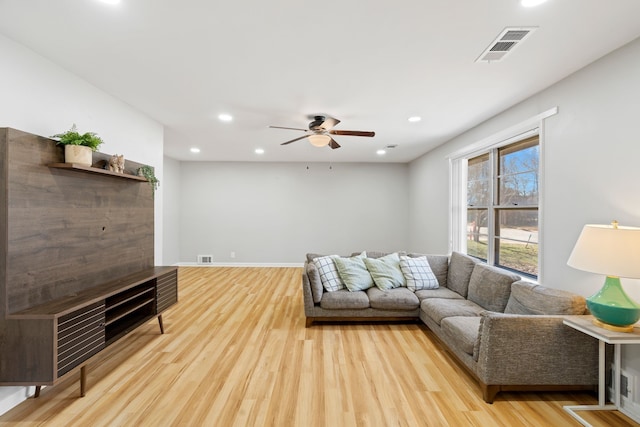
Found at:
[116, 163]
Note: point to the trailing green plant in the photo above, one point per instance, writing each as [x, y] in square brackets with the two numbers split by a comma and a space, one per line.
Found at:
[149, 174]
[73, 137]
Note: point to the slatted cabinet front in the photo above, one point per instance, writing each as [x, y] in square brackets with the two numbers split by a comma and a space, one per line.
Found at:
[81, 334]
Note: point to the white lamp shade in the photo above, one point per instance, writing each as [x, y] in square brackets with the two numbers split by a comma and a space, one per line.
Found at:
[319, 140]
[609, 250]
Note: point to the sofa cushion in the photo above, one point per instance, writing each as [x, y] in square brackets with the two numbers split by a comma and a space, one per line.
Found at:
[463, 331]
[460, 269]
[311, 256]
[440, 267]
[344, 299]
[354, 273]
[490, 287]
[392, 299]
[385, 271]
[440, 308]
[314, 281]
[438, 293]
[529, 298]
[418, 273]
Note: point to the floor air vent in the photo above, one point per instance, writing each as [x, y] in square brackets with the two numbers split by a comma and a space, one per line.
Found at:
[205, 259]
[505, 43]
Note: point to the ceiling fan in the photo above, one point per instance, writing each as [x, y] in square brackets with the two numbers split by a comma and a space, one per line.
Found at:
[320, 131]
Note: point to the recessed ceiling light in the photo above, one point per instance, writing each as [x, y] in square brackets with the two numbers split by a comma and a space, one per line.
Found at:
[259, 151]
[414, 119]
[381, 152]
[531, 3]
[225, 117]
[195, 150]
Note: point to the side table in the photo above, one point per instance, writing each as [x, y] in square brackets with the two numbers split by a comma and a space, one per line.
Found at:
[585, 325]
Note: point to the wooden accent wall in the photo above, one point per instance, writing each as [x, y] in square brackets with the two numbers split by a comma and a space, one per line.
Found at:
[63, 231]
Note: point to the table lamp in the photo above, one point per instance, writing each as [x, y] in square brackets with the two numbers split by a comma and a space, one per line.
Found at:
[614, 251]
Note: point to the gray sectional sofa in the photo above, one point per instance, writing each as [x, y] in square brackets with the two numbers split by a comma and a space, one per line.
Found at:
[507, 332]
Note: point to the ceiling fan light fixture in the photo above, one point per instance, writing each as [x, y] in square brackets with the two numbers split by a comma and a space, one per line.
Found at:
[532, 3]
[319, 140]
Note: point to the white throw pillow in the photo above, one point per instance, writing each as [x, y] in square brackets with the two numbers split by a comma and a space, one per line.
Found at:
[329, 276]
[354, 273]
[418, 273]
[386, 272]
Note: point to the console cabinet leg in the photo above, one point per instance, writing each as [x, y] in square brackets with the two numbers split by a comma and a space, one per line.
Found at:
[37, 393]
[83, 380]
[160, 323]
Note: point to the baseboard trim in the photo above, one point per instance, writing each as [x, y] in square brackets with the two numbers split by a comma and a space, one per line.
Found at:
[12, 396]
[241, 264]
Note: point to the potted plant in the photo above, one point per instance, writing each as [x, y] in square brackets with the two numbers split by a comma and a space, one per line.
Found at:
[78, 147]
[149, 174]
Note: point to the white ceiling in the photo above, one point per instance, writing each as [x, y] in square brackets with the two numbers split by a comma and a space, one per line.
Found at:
[370, 63]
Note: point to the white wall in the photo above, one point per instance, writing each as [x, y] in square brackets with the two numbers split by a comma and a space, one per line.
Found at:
[592, 173]
[171, 211]
[42, 98]
[591, 164]
[277, 212]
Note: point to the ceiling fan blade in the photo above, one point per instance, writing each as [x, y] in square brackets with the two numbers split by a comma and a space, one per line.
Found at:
[329, 123]
[333, 144]
[351, 133]
[294, 140]
[282, 127]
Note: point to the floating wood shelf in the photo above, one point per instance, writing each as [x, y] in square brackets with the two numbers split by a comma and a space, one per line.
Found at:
[91, 169]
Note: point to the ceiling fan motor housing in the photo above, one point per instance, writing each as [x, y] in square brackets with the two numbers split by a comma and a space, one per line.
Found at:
[317, 123]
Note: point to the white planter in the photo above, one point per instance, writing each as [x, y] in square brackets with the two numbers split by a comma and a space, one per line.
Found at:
[79, 154]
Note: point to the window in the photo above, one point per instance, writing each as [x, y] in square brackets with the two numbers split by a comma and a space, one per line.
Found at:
[502, 206]
[496, 197]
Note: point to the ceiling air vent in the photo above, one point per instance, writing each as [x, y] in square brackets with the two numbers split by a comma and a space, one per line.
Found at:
[505, 43]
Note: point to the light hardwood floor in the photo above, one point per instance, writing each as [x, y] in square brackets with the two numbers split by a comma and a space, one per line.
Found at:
[236, 353]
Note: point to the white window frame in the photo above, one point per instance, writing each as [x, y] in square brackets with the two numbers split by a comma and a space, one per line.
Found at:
[458, 162]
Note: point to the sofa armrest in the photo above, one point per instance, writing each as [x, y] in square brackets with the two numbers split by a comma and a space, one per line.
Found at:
[306, 292]
[534, 349]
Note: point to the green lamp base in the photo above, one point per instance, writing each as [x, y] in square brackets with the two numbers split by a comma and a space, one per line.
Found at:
[612, 306]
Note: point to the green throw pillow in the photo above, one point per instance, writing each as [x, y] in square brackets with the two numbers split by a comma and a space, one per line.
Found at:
[385, 271]
[354, 273]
